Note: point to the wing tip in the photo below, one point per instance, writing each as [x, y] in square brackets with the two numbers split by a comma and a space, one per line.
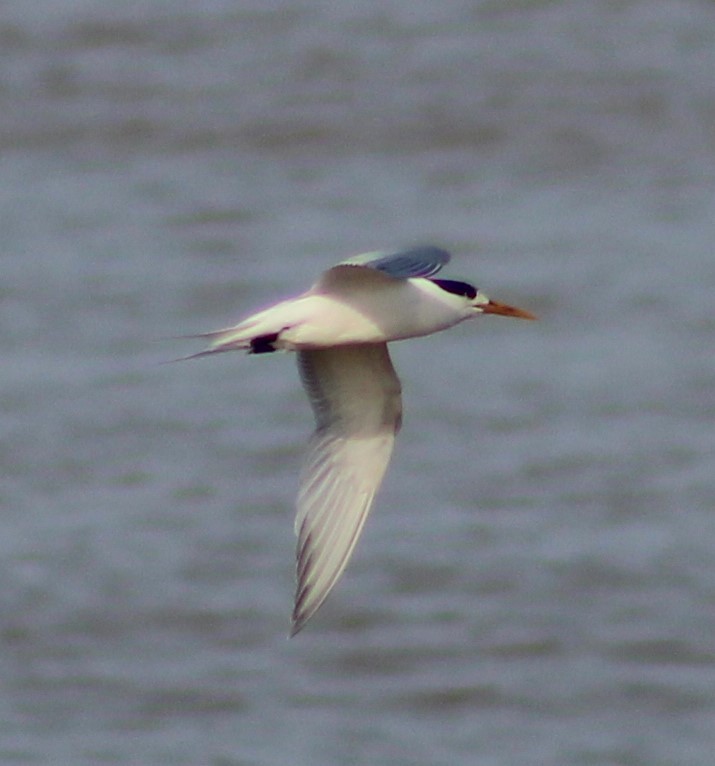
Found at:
[300, 616]
[303, 611]
[296, 625]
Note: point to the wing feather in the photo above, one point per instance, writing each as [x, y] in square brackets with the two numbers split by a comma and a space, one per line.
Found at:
[423, 261]
[381, 267]
[355, 395]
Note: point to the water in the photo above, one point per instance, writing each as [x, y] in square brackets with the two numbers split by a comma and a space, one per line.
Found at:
[536, 584]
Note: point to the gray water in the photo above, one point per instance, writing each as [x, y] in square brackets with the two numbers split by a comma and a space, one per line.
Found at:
[536, 584]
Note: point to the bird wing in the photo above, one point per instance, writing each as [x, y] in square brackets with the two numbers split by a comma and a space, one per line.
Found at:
[355, 396]
[423, 261]
[378, 269]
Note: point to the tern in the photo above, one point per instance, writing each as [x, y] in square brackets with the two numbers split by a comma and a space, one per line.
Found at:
[339, 330]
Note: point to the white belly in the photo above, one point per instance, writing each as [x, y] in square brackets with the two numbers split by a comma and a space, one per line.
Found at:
[392, 311]
[383, 310]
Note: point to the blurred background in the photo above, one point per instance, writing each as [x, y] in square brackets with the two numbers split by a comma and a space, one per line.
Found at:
[536, 584]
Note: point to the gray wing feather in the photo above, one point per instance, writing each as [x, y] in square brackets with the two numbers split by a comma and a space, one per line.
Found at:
[355, 395]
[421, 261]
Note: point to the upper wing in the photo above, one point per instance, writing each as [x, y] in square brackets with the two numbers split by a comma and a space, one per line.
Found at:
[421, 261]
[355, 395]
[373, 269]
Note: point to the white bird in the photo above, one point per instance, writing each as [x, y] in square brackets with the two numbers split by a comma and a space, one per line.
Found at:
[340, 328]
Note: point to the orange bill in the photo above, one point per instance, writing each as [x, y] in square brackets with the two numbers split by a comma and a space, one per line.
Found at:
[506, 311]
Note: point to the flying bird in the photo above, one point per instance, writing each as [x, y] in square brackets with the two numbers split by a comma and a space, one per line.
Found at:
[339, 330]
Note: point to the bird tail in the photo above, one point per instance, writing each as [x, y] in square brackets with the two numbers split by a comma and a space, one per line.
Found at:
[235, 338]
[257, 334]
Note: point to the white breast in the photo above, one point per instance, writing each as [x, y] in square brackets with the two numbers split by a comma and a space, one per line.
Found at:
[377, 312]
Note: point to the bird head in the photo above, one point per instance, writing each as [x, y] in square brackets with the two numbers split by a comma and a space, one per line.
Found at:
[477, 301]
